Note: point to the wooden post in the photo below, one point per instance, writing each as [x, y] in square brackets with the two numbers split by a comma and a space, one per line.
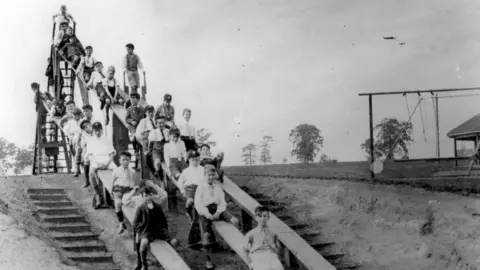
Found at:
[455, 151]
[437, 126]
[247, 222]
[289, 259]
[370, 113]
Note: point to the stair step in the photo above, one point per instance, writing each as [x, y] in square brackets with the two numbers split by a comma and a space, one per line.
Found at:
[86, 246]
[69, 227]
[81, 236]
[347, 266]
[63, 218]
[296, 226]
[308, 236]
[323, 245]
[104, 266]
[61, 203]
[48, 197]
[258, 196]
[333, 257]
[58, 191]
[90, 257]
[58, 210]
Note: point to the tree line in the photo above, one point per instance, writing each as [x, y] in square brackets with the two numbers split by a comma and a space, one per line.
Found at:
[14, 157]
[392, 138]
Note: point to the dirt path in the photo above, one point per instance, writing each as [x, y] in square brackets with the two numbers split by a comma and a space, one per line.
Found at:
[104, 222]
[384, 227]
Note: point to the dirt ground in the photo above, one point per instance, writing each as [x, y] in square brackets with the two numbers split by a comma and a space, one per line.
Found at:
[13, 192]
[383, 227]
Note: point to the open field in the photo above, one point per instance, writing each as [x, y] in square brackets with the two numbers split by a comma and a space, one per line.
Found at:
[379, 226]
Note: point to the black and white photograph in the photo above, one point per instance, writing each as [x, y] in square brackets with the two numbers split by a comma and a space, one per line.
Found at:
[240, 135]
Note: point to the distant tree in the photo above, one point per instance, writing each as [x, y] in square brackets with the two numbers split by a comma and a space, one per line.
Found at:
[388, 131]
[324, 158]
[265, 149]
[203, 136]
[8, 151]
[249, 154]
[464, 151]
[307, 141]
[23, 159]
[284, 160]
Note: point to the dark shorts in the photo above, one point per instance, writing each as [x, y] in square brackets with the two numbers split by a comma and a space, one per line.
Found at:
[190, 191]
[206, 224]
[190, 144]
[157, 235]
[176, 166]
[475, 157]
[121, 189]
[157, 155]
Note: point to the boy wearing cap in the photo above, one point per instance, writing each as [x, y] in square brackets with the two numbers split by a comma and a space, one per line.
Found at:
[175, 153]
[131, 64]
[188, 132]
[134, 114]
[80, 157]
[149, 224]
[100, 152]
[261, 247]
[156, 141]
[73, 49]
[144, 127]
[166, 110]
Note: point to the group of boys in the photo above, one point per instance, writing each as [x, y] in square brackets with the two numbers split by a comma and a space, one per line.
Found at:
[163, 142]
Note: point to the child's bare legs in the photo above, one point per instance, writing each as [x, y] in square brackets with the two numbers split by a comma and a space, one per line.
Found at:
[118, 210]
[471, 166]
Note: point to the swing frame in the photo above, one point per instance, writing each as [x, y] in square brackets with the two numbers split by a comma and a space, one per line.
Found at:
[418, 92]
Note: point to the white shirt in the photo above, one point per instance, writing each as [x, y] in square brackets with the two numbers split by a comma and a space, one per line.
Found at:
[187, 129]
[174, 150]
[144, 125]
[99, 149]
[59, 18]
[123, 177]
[157, 136]
[207, 194]
[95, 79]
[191, 176]
[86, 61]
[72, 128]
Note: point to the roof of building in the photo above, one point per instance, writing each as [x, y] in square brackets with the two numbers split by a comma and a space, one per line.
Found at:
[467, 128]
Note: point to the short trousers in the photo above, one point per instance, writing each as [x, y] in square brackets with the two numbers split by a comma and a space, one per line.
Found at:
[157, 235]
[157, 155]
[133, 78]
[190, 143]
[206, 224]
[190, 191]
[176, 166]
[121, 189]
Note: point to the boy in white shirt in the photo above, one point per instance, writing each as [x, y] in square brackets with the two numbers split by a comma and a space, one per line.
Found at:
[123, 182]
[95, 82]
[261, 247]
[87, 133]
[100, 152]
[145, 126]
[188, 133]
[211, 206]
[190, 178]
[156, 141]
[87, 64]
[175, 154]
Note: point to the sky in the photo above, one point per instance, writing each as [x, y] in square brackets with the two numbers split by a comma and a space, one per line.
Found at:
[253, 68]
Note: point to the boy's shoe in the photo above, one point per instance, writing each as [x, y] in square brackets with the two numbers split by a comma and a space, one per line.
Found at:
[121, 228]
